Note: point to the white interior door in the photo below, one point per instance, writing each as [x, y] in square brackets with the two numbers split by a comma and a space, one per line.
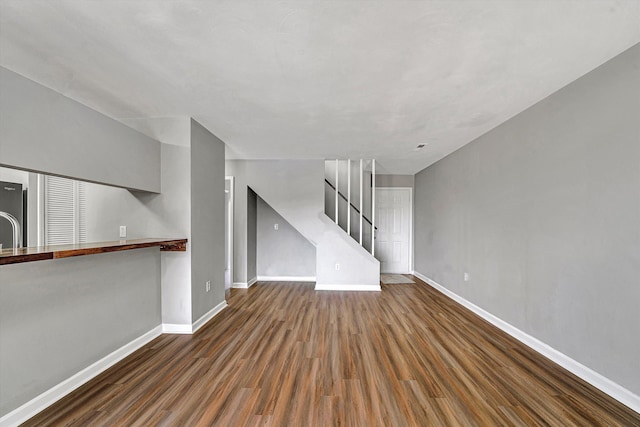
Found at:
[393, 234]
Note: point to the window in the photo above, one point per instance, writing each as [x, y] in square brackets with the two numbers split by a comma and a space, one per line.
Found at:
[65, 211]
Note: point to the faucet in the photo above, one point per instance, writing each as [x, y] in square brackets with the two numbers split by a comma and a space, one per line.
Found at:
[15, 225]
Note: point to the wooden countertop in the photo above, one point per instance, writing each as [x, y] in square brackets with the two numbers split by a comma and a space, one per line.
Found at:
[15, 256]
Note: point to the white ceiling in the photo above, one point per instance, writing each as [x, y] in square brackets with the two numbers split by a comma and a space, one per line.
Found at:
[317, 79]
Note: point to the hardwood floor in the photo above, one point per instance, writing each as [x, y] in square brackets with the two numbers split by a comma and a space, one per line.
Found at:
[283, 354]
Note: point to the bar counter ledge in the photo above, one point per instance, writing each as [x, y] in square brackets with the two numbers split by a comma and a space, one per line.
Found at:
[39, 253]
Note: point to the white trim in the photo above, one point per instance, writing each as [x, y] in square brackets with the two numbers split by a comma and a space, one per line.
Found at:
[368, 288]
[244, 285]
[349, 197]
[361, 202]
[176, 328]
[396, 272]
[231, 221]
[597, 380]
[337, 188]
[412, 249]
[186, 329]
[410, 228]
[373, 207]
[208, 316]
[40, 210]
[57, 392]
[286, 278]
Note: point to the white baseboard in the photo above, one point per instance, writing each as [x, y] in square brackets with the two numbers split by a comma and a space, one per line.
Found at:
[44, 400]
[244, 285]
[187, 329]
[286, 278]
[208, 316]
[592, 377]
[326, 287]
[176, 328]
[55, 393]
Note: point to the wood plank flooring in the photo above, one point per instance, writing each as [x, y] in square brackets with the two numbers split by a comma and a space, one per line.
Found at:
[283, 354]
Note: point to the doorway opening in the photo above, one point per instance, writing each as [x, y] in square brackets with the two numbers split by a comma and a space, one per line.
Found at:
[228, 232]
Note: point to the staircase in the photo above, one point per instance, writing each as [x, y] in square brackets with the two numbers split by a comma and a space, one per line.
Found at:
[294, 189]
[350, 198]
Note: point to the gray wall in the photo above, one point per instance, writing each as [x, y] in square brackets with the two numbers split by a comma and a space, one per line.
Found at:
[153, 215]
[543, 212]
[207, 220]
[252, 234]
[190, 205]
[44, 131]
[395, 180]
[70, 314]
[282, 252]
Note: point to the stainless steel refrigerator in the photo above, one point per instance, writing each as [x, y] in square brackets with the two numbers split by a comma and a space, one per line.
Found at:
[12, 201]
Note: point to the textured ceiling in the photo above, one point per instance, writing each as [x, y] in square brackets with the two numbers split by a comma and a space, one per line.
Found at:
[317, 79]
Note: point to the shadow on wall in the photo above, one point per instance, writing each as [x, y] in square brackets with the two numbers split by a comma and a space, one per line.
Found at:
[281, 250]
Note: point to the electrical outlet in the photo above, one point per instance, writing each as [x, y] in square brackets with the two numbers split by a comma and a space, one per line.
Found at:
[466, 277]
[275, 226]
[207, 286]
[337, 266]
[123, 231]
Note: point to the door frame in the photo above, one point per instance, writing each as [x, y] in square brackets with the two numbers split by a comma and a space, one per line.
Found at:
[410, 270]
[229, 229]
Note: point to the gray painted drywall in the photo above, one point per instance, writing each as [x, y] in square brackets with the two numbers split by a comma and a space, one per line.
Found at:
[250, 172]
[69, 314]
[281, 252]
[153, 215]
[207, 220]
[146, 214]
[252, 234]
[543, 212]
[395, 181]
[295, 189]
[44, 131]
[190, 205]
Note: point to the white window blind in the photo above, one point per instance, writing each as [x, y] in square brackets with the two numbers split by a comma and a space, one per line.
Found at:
[64, 211]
